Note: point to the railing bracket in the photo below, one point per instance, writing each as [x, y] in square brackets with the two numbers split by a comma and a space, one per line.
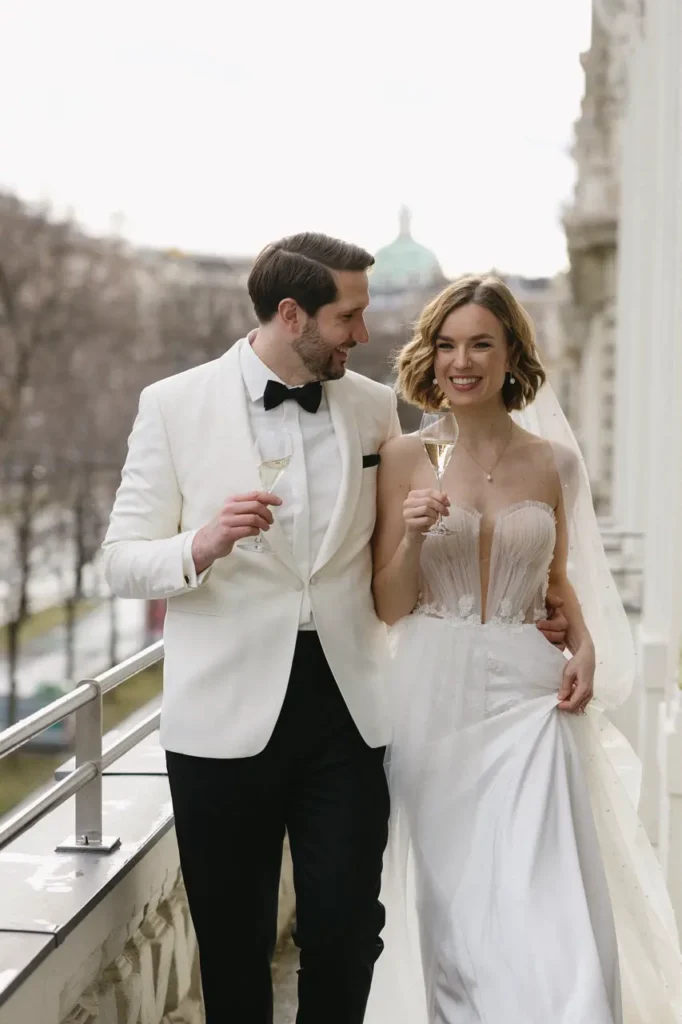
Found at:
[73, 844]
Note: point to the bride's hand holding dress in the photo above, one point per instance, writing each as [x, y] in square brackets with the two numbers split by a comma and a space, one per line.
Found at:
[577, 683]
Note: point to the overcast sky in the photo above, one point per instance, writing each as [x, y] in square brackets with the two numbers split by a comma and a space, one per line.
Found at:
[216, 125]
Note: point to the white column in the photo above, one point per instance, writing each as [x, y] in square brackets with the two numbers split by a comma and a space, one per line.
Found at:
[635, 281]
[671, 809]
[635, 284]
[661, 336]
[670, 831]
[590, 396]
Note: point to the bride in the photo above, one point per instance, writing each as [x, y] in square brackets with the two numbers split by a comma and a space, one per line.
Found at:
[520, 888]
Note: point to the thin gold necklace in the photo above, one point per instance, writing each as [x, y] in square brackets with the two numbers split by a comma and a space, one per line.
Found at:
[489, 472]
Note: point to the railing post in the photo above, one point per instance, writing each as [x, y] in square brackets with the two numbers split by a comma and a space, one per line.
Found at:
[88, 837]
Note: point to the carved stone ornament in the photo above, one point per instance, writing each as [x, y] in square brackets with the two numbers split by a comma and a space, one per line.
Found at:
[623, 20]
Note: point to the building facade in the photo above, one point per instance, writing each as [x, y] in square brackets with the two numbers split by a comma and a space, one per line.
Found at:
[625, 240]
[591, 225]
[192, 307]
[405, 276]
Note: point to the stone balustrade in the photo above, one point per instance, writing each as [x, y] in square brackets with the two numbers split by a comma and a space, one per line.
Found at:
[651, 721]
[105, 938]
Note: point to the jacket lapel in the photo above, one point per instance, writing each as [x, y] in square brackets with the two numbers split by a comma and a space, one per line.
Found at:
[348, 439]
[238, 447]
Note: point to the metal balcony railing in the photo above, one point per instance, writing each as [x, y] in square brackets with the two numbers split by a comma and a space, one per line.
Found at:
[85, 781]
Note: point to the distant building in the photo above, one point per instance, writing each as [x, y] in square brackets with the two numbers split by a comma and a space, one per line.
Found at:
[404, 269]
[195, 306]
[405, 276]
[548, 302]
[591, 225]
[192, 306]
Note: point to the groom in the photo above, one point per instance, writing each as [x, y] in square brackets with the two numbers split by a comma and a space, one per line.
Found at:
[273, 715]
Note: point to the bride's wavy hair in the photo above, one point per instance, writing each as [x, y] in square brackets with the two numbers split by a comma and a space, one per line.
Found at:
[415, 361]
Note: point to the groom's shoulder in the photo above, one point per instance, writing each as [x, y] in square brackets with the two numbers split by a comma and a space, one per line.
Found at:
[176, 384]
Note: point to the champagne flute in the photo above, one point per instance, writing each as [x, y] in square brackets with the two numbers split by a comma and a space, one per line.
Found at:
[438, 433]
[274, 448]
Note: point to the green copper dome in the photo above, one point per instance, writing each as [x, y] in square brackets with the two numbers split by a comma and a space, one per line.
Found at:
[404, 264]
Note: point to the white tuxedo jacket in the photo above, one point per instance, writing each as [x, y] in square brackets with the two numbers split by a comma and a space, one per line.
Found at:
[230, 640]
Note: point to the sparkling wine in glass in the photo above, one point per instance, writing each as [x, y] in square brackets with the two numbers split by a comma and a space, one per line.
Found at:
[438, 433]
[271, 470]
[274, 449]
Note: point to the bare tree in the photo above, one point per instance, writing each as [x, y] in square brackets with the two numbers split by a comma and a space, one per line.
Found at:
[195, 308]
[98, 394]
[34, 269]
[67, 333]
[85, 324]
[24, 482]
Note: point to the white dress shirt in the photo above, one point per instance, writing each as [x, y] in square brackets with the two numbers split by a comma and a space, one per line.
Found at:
[310, 484]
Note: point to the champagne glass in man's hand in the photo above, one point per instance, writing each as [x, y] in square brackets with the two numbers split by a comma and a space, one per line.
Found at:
[244, 515]
[274, 448]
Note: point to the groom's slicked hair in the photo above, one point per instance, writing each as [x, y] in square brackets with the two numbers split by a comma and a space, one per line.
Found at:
[299, 267]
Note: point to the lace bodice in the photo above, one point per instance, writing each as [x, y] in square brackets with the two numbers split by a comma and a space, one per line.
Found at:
[522, 548]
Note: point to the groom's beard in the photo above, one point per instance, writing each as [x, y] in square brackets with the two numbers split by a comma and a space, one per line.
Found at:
[321, 362]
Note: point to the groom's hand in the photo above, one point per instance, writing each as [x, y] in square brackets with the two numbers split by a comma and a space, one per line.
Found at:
[555, 626]
[243, 516]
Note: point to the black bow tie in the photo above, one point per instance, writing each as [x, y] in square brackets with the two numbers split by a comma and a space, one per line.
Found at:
[308, 397]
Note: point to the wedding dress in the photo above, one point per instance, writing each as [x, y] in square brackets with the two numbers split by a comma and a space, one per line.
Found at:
[519, 885]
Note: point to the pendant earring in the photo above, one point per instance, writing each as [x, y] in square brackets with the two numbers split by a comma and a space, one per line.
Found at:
[435, 381]
[512, 380]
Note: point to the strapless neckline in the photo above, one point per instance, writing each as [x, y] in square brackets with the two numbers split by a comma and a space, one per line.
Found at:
[522, 538]
[505, 511]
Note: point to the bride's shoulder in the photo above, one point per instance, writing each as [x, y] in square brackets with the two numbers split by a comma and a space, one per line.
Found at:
[552, 454]
[399, 460]
[555, 465]
[559, 465]
[407, 446]
[564, 455]
[567, 463]
[533, 447]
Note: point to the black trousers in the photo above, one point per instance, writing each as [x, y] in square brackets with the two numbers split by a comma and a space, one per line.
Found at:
[318, 780]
